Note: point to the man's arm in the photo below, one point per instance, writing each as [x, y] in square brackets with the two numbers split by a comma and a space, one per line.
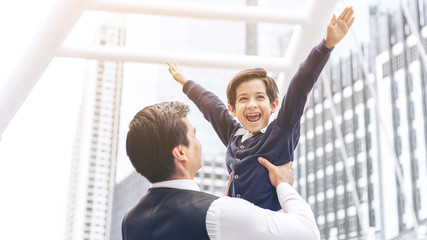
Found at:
[233, 218]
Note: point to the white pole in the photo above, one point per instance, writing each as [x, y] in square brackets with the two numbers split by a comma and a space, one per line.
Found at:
[306, 36]
[414, 31]
[38, 56]
[249, 14]
[194, 59]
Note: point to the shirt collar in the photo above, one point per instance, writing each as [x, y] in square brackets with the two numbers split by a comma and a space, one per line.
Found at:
[186, 184]
[242, 131]
[246, 134]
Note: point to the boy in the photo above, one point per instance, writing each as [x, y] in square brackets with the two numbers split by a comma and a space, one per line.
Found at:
[252, 98]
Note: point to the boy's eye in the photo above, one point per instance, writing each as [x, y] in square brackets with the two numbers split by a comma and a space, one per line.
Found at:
[242, 99]
[261, 97]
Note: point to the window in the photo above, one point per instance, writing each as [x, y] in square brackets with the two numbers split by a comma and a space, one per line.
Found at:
[370, 193]
[358, 146]
[398, 61]
[352, 224]
[411, 110]
[309, 145]
[330, 205]
[329, 181]
[310, 166]
[359, 97]
[350, 201]
[347, 103]
[413, 53]
[319, 185]
[418, 199]
[386, 69]
[416, 173]
[311, 189]
[348, 126]
[328, 136]
[395, 89]
[372, 218]
[340, 201]
[341, 227]
[350, 149]
[340, 177]
[398, 145]
[410, 83]
[396, 117]
[413, 139]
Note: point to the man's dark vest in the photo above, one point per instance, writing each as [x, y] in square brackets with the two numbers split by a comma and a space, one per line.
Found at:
[168, 213]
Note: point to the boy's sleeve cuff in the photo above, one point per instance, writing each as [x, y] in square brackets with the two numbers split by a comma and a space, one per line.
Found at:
[187, 86]
[324, 48]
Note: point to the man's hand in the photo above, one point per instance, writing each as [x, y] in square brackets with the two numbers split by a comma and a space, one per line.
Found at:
[176, 73]
[230, 179]
[338, 27]
[278, 174]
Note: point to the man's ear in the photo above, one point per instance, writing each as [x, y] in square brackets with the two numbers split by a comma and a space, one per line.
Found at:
[232, 110]
[274, 105]
[178, 153]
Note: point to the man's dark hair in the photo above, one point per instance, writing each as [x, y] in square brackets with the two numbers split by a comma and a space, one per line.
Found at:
[249, 74]
[153, 133]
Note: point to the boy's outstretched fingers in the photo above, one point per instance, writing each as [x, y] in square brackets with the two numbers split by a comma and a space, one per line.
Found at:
[176, 73]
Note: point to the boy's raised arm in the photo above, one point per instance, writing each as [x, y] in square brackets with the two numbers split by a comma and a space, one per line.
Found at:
[338, 27]
[176, 73]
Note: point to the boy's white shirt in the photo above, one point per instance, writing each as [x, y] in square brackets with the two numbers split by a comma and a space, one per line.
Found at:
[246, 134]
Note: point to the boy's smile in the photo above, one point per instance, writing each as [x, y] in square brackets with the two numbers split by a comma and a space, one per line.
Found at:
[253, 107]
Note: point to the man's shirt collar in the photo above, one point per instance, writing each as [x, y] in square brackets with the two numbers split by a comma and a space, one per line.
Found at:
[186, 184]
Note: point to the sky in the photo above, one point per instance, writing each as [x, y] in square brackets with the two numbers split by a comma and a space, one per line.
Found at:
[35, 149]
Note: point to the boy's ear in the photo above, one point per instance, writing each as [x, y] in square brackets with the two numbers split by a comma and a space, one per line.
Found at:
[178, 153]
[232, 110]
[274, 105]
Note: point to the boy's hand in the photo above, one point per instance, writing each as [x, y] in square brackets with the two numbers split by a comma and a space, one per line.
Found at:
[338, 27]
[278, 174]
[176, 73]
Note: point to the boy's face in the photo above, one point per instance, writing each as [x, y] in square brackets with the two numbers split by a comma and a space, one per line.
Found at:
[253, 107]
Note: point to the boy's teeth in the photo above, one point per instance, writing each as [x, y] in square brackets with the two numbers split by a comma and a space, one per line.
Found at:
[253, 117]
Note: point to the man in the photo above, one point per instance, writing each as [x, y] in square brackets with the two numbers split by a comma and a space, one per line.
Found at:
[163, 147]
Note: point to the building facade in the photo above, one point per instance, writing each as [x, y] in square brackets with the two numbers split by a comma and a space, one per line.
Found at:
[93, 167]
[127, 194]
[380, 113]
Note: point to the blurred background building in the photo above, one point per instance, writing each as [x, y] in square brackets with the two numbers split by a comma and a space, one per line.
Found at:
[93, 165]
[369, 113]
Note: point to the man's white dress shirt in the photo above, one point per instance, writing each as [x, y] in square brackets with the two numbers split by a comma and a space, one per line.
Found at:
[234, 218]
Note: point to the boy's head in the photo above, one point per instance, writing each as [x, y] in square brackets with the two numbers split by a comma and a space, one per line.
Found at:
[252, 98]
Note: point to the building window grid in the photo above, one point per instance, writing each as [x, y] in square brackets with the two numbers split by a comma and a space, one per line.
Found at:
[396, 117]
[386, 69]
[352, 224]
[395, 93]
[413, 53]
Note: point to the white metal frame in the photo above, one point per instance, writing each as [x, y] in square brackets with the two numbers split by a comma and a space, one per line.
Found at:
[310, 20]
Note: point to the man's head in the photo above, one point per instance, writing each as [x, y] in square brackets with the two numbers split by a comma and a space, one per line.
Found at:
[161, 142]
[252, 98]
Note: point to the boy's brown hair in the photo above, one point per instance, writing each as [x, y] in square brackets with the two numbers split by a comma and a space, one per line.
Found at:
[249, 74]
